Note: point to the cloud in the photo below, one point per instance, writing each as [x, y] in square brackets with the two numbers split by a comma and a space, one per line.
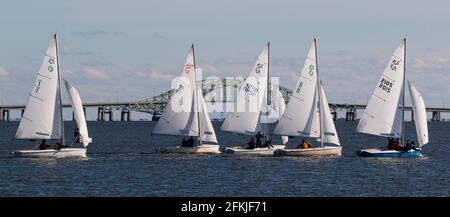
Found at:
[70, 51]
[91, 32]
[155, 76]
[440, 63]
[95, 63]
[159, 36]
[96, 73]
[3, 72]
[96, 32]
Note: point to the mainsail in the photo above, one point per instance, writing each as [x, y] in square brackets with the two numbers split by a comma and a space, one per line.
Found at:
[77, 106]
[297, 119]
[42, 116]
[382, 116]
[420, 115]
[187, 108]
[249, 99]
[178, 118]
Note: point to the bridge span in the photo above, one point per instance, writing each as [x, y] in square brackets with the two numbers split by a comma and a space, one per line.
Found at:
[156, 104]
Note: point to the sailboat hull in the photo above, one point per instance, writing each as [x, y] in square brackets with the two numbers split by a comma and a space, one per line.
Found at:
[201, 149]
[256, 151]
[49, 153]
[387, 153]
[311, 152]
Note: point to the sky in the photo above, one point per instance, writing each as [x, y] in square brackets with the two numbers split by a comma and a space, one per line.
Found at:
[114, 50]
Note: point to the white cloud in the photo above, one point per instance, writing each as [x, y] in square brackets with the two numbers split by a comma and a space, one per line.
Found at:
[96, 73]
[3, 72]
[155, 76]
[433, 64]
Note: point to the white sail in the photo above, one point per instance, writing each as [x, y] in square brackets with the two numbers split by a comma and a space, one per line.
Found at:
[78, 111]
[249, 99]
[379, 116]
[420, 115]
[208, 136]
[178, 118]
[42, 116]
[329, 134]
[297, 118]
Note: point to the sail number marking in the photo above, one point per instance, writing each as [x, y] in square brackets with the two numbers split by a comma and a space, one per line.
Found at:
[258, 68]
[394, 65]
[385, 85]
[250, 89]
[38, 85]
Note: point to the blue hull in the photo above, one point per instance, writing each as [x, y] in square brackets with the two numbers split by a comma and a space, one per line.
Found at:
[362, 153]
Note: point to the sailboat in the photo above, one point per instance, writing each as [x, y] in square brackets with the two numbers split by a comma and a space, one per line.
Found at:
[308, 114]
[186, 114]
[42, 118]
[247, 120]
[384, 113]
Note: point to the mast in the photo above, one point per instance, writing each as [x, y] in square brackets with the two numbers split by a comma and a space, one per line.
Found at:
[59, 89]
[319, 92]
[403, 91]
[196, 98]
[268, 88]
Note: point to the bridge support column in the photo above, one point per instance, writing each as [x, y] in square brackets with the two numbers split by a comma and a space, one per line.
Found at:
[334, 115]
[125, 115]
[436, 116]
[5, 115]
[412, 116]
[21, 114]
[101, 114]
[350, 115]
[108, 111]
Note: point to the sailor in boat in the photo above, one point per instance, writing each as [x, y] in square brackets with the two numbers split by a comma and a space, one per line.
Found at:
[43, 145]
[184, 142]
[191, 142]
[268, 143]
[410, 146]
[251, 144]
[395, 144]
[258, 136]
[59, 145]
[304, 144]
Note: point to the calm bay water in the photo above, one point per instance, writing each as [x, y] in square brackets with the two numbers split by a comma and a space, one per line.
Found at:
[122, 162]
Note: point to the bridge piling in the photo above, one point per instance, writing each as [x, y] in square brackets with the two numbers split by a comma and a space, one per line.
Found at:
[5, 115]
[100, 114]
[436, 116]
[125, 115]
[334, 115]
[412, 116]
[350, 115]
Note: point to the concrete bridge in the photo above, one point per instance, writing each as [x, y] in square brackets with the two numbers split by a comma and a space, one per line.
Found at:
[156, 104]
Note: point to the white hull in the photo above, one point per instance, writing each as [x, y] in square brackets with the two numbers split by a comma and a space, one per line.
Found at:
[256, 151]
[51, 153]
[201, 149]
[311, 152]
